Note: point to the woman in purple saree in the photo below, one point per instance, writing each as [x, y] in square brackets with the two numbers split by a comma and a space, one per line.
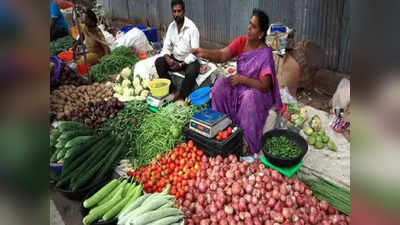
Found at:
[247, 96]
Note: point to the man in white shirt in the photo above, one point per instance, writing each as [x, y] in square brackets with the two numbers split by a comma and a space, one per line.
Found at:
[182, 35]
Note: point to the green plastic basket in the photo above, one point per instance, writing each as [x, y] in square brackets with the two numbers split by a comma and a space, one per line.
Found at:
[286, 171]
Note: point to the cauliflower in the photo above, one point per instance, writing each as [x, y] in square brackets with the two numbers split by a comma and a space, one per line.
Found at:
[126, 72]
[303, 113]
[294, 117]
[126, 83]
[136, 81]
[144, 93]
[315, 123]
[118, 89]
[138, 89]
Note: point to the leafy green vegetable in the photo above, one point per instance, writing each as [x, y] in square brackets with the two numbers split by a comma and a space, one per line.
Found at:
[61, 44]
[111, 64]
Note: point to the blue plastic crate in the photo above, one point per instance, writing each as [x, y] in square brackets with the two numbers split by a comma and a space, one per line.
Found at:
[151, 33]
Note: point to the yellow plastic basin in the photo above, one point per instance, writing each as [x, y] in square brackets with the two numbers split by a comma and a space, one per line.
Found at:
[159, 87]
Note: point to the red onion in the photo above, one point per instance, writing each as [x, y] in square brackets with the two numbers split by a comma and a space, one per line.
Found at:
[242, 206]
[213, 218]
[228, 209]
[313, 219]
[249, 188]
[241, 215]
[223, 222]
[253, 211]
[200, 199]
[275, 194]
[186, 203]
[254, 200]
[277, 217]
[268, 222]
[331, 210]
[247, 197]
[236, 188]
[205, 222]
[286, 213]
[289, 202]
[219, 205]
[278, 207]
[271, 202]
[283, 189]
[282, 198]
[213, 208]
[308, 192]
[202, 187]
[220, 215]
[248, 221]
[268, 186]
[213, 186]
[300, 201]
[235, 206]
[324, 205]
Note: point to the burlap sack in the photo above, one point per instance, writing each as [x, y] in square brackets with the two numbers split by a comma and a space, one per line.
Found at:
[288, 72]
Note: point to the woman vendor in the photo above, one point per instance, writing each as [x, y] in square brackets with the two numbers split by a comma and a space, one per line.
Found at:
[96, 45]
[247, 96]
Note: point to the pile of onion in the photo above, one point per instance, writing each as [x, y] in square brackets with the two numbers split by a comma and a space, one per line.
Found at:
[227, 191]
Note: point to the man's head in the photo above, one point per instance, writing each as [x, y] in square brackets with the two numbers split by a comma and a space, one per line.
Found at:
[178, 10]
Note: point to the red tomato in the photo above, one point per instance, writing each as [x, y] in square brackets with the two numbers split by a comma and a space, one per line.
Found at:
[229, 130]
[219, 137]
[190, 143]
[225, 135]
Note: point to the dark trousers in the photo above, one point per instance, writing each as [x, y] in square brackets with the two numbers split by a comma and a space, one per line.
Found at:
[191, 71]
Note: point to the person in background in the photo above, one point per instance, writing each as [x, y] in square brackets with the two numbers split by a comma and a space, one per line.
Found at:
[182, 35]
[58, 25]
[96, 44]
[247, 96]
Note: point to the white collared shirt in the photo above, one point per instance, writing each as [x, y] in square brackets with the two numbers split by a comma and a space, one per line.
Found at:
[179, 44]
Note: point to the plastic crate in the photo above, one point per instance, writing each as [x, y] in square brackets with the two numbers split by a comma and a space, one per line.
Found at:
[151, 33]
[212, 147]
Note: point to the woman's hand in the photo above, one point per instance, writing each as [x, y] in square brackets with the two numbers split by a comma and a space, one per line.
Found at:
[236, 79]
[199, 52]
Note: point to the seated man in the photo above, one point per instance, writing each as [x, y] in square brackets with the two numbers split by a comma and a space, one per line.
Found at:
[58, 25]
[182, 35]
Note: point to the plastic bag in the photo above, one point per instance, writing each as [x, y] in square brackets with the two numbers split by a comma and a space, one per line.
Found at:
[133, 38]
[341, 98]
[286, 97]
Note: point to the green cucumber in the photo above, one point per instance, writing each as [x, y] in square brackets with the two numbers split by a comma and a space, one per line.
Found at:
[85, 177]
[69, 135]
[117, 208]
[102, 193]
[97, 213]
[113, 159]
[111, 195]
[71, 125]
[76, 141]
[56, 133]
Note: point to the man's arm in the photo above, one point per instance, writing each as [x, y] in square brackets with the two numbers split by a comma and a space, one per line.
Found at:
[194, 43]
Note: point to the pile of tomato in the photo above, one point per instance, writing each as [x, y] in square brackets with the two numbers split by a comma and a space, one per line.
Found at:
[223, 135]
[177, 168]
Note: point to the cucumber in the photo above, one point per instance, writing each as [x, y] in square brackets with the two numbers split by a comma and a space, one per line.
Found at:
[73, 163]
[71, 125]
[85, 177]
[53, 157]
[61, 153]
[86, 146]
[76, 141]
[111, 195]
[118, 207]
[113, 159]
[99, 195]
[99, 212]
[73, 169]
[69, 135]
[54, 136]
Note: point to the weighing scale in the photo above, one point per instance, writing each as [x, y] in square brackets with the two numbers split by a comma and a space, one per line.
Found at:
[208, 122]
[154, 103]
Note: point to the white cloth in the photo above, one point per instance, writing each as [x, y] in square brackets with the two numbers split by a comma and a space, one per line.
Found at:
[135, 38]
[179, 44]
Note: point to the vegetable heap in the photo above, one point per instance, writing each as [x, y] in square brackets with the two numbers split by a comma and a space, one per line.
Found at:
[152, 209]
[178, 168]
[318, 138]
[282, 147]
[108, 203]
[91, 162]
[94, 114]
[223, 135]
[125, 90]
[297, 116]
[125, 124]
[61, 44]
[227, 191]
[68, 100]
[66, 137]
[160, 132]
[111, 64]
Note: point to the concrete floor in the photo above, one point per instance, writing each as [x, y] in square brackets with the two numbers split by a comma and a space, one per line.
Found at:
[55, 217]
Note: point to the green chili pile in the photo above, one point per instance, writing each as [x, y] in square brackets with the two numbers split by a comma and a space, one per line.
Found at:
[61, 44]
[282, 147]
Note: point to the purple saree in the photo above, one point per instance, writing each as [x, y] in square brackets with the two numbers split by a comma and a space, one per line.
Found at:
[248, 107]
